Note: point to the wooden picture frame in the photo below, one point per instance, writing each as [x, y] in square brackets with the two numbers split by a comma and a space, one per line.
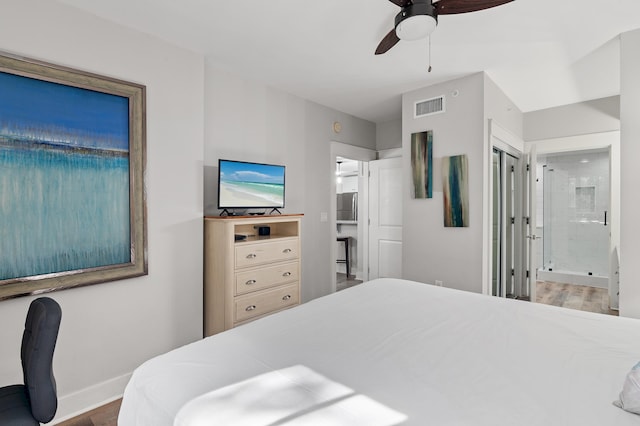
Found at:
[72, 168]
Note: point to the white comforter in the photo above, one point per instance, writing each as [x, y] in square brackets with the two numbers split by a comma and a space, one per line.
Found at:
[396, 352]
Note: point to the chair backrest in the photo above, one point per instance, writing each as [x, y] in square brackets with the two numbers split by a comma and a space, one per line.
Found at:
[38, 344]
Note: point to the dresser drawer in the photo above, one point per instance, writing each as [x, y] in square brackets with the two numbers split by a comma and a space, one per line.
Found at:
[269, 276]
[256, 304]
[266, 252]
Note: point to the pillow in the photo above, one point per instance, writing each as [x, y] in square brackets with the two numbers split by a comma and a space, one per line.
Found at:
[630, 395]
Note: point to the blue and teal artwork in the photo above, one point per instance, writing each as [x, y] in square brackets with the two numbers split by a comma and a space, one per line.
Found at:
[455, 182]
[64, 178]
[422, 164]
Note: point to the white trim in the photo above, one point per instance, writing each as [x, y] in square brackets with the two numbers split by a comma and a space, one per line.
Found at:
[576, 143]
[608, 140]
[339, 149]
[506, 141]
[389, 153]
[352, 152]
[76, 403]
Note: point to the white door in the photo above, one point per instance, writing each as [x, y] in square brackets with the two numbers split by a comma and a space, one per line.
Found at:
[385, 214]
[530, 226]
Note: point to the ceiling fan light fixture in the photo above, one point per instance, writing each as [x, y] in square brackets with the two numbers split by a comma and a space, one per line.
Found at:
[416, 27]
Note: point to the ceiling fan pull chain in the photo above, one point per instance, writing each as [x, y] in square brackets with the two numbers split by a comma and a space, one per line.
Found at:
[429, 69]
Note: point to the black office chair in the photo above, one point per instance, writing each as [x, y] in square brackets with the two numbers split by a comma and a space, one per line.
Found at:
[36, 401]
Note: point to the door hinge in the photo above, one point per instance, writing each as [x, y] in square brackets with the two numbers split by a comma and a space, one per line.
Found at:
[527, 273]
[513, 272]
[513, 169]
[369, 220]
[513, 220]
[527, 219]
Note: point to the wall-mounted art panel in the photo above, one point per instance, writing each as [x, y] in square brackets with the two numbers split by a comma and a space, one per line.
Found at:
[422, 164]
[72, 158]
[455, 183]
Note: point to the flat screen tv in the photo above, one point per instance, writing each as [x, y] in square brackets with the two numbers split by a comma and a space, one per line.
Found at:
[243, 185]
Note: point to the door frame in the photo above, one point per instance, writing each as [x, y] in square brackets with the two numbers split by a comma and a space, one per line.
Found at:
[339, 149]
[510, 179]
[502, 139]
[610, 140]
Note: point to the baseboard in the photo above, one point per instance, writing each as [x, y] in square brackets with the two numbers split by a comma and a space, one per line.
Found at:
[74, 404]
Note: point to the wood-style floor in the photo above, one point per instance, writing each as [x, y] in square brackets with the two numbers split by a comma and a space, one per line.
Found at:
[550, 293]
[343, 282]
[107, 415]
[580, 297]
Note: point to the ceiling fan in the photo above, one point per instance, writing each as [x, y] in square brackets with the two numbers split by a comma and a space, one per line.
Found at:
[418, 18]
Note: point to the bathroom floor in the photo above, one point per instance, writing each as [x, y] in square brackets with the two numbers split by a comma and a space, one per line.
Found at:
[580, 297]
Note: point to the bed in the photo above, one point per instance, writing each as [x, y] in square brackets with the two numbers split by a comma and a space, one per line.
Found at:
[390, 352]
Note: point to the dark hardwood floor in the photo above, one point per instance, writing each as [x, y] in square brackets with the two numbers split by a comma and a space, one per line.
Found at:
[107, 415]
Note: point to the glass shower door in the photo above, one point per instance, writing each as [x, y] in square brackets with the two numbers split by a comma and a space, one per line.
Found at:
[576, 206]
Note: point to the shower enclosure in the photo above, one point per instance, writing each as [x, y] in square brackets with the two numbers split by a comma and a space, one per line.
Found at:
[575, 207]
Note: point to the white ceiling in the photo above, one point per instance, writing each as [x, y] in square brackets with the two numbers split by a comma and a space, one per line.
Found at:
[542, 53]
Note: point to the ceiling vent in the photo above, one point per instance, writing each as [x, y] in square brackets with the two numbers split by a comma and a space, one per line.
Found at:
[429, 107]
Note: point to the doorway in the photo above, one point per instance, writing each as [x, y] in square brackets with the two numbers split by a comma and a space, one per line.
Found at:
[349, 177]
[575, 192]
[509, 277]
[510, 230]
[349, 259]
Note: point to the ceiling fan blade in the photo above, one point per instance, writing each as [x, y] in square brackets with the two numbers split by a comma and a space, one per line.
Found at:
[450, 7]
[401, 3]
[387, 42]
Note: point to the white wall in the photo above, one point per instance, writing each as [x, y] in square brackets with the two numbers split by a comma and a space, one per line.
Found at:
[431, 251]
[109, 329]
[246, 120]
[596, 116]
[501, 110]
[457, 256]
[389, 134]
[629, 175]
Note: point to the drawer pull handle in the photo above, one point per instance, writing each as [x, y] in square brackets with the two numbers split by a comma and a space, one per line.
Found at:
[286, 274]
[251, 256]
[286, 251]
[250, 308]
[250, 282]
[287, 297]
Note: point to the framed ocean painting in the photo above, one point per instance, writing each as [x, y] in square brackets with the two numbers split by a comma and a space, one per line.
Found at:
[72, 160]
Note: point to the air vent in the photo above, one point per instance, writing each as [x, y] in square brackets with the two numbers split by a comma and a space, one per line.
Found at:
[429, 107]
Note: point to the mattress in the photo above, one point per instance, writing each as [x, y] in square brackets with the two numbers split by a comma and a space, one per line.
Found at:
[390, 352]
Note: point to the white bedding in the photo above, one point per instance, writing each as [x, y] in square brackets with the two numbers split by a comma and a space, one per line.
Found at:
[396, 352]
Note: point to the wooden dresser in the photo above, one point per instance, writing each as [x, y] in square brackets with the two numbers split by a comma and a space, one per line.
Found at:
[253, 277]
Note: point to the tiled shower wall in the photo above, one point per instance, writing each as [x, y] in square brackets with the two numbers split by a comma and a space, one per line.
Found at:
[576, 196]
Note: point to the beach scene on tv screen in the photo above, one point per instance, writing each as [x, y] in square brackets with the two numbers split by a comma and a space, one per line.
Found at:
[251, 185]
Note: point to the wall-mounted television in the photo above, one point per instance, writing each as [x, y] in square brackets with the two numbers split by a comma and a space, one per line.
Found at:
[244, 185]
